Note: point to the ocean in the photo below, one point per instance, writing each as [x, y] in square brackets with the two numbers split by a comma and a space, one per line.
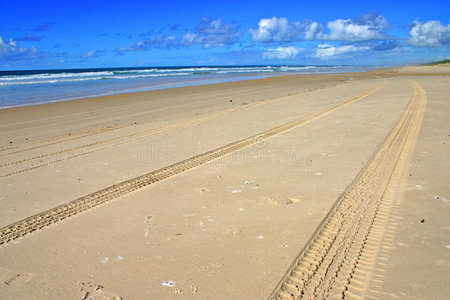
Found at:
[33, 87]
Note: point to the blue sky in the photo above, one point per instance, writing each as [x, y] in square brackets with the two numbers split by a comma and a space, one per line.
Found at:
[81, 34]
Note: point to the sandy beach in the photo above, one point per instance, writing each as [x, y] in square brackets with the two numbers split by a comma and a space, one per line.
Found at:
[289, 187]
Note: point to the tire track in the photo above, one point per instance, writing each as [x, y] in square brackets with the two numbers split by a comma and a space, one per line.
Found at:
[46, 218]
[339, 260]
[109, 128]
[120, 140]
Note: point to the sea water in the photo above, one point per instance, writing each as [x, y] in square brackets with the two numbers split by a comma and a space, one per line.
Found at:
[32, 87]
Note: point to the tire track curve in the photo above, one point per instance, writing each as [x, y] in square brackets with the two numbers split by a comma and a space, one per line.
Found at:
[338, 261]
[120, 140]
[46, 218]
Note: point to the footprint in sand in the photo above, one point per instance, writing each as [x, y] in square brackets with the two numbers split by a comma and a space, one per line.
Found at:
[201, 190]
[19, 279]
[92, 291]
[4, 274]
[283, 200]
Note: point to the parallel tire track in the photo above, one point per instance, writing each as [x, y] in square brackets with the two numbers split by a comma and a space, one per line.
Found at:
[36, 222]
[338, 261]
[120, 140]
[51, 140]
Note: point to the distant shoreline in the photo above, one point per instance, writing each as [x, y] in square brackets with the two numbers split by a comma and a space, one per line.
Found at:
[24, 88]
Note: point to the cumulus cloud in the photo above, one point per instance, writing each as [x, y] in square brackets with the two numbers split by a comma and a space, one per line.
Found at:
[374, 20]
[366, 27]
[211, 34]
[282, 30]
[326, 51]
[10, 51]
[282, 52]
[431, 34]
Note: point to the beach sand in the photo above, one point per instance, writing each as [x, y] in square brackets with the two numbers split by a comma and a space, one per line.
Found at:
[326, 185]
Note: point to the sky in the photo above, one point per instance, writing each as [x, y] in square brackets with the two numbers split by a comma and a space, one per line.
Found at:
[96, 33]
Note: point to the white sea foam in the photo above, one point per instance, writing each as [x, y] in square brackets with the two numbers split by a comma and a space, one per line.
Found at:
[21, 88]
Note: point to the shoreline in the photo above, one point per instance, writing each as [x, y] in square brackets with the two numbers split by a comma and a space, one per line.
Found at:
[145, 79]
[240, 92]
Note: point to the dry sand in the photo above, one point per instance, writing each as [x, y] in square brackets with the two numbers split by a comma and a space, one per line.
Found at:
[230, 223]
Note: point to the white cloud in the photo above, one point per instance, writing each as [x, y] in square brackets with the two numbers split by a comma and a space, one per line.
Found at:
[346, 30]
[211, 34]
[429, 34]
[208, 34]
[89, 54]
[189, 39]
[374, 20]
[159, 41]
[11, 51]
[282, 52]
[326, 51]
[282, 30]
[8, 47]
[93, 53]
[366, 27]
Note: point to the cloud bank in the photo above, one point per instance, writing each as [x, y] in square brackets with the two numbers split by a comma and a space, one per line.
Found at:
[326, 51]
[10, 51]
[212, 34]
[365, 28]
[208, 34]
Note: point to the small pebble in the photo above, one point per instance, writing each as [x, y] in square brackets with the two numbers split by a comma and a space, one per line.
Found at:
[105, 260]
[147, 232]
[119, 257]
[259, 237]
[241, 209]
[422, 221]
[168, 283]
[236, 191]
